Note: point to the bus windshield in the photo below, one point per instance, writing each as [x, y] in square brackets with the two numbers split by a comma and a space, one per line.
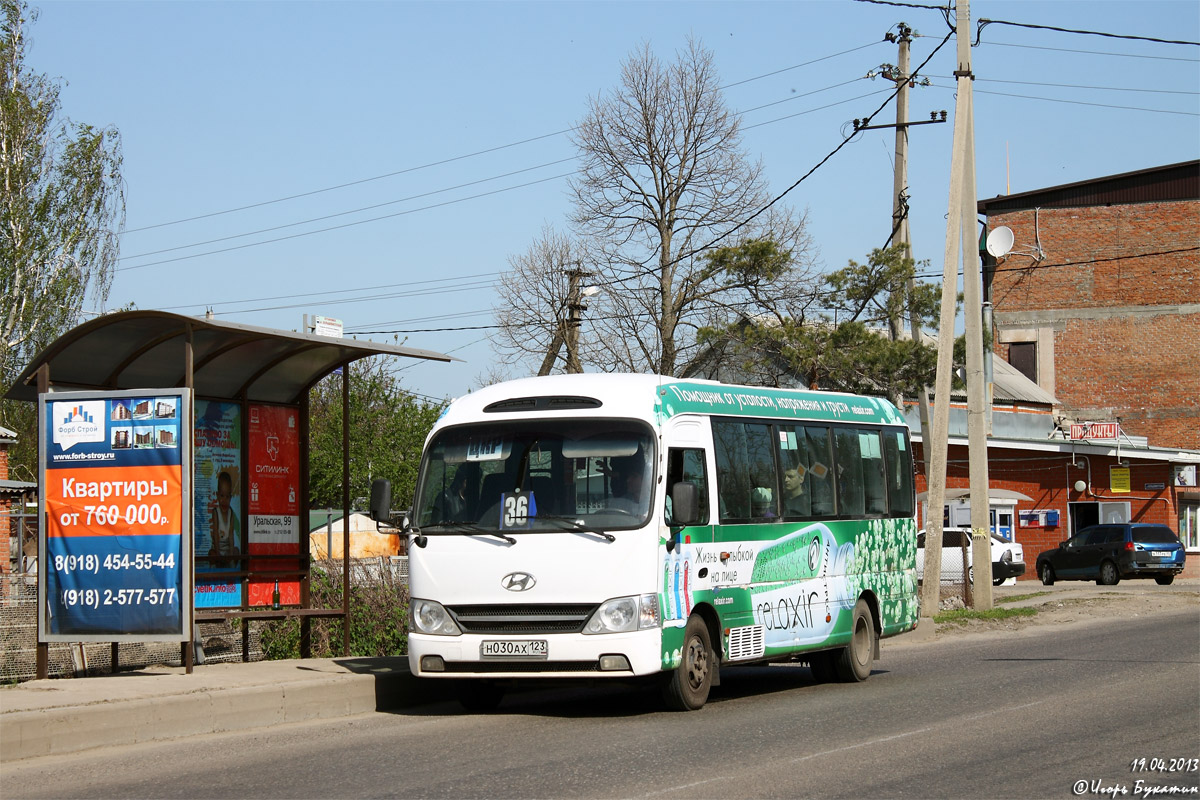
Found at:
[548, 475]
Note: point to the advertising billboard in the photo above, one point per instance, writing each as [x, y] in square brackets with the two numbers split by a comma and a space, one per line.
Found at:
[219, 508]
[274, 502]
[116, 561]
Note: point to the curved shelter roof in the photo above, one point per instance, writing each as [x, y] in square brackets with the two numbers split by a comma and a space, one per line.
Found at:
[230, 361]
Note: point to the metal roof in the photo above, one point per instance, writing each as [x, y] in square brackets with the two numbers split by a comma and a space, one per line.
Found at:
[231, 361]
[1157, 184]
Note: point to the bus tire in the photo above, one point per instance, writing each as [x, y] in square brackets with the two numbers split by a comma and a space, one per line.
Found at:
[853, 663]
[821, 665]
[686, 687]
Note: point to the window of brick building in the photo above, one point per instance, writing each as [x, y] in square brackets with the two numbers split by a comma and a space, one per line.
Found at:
[1023, 357]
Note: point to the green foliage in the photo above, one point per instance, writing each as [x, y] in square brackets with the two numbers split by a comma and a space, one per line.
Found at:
[378, 615]
[388, 427]
[843, 345]
[749, 264]
[61, 212]
[962, 616]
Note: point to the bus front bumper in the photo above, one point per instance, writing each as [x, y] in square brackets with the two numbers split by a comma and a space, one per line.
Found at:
[572, 655]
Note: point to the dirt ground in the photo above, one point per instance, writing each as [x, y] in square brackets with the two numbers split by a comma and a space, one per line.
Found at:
[1078, 602]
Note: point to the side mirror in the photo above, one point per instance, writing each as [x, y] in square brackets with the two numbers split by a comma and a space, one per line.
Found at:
[685, 504]
[381, 500]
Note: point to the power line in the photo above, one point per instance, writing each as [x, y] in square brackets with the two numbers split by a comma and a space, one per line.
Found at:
[1079, 86]
[1110, 259]
[983, 23]
[433, 206]
[347, 213]
[452, 159]
[1078, 102]
[1081, 52]
[484, 180]
[352, 183]
[327, 292]
[346, 225]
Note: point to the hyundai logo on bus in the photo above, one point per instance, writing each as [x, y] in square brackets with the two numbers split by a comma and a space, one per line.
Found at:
[518, 581]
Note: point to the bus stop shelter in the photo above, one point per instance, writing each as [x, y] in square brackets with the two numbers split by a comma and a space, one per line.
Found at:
[237, 369]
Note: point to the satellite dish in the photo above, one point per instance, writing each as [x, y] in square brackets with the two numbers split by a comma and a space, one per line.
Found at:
[1000, 241]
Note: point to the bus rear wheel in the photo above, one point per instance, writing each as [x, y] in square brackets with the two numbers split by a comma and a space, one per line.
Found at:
[853, 663]
[686, 687]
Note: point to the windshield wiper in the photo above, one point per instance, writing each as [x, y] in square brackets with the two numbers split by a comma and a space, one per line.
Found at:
[577, 526]
[470, 529]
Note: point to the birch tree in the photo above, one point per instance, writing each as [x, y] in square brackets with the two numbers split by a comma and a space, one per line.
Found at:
[62, 208]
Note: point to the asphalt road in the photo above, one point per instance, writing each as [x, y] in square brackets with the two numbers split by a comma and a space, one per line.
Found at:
[997, 716]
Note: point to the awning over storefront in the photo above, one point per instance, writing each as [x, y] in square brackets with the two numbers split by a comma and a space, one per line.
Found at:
[993, 494]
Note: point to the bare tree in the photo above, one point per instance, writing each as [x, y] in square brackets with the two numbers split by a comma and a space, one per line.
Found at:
[533, 311]
[664, 180]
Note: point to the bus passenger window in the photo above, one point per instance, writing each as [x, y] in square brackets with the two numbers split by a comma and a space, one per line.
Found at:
[745, 464]
[898, 457]
[793, 458]
[851, 493]
[874, 486]
[818, 479]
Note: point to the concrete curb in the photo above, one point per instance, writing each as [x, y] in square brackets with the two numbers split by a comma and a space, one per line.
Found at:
[65, 716]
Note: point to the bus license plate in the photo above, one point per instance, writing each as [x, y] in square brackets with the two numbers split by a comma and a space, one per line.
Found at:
[534, 648]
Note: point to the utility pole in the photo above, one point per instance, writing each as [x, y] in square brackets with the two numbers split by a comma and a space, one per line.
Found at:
[575, 309]
[960, 230]
[901, 231]
[568, 328]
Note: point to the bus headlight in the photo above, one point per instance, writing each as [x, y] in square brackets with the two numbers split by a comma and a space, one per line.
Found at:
[624, 614]
[426, 616]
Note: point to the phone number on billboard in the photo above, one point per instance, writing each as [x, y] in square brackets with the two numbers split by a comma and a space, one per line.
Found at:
[90, 562]
[95, 598]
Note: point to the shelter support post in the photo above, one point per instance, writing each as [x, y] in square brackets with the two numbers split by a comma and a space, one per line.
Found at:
[189, 365]
[345, 509]
[42, 658]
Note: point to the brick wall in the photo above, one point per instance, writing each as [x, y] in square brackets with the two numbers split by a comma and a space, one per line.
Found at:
[1122, 346]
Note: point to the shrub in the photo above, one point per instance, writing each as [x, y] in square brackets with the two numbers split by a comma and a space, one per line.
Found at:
[378, 614]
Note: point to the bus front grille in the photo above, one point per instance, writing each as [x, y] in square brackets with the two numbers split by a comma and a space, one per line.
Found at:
[522, 619]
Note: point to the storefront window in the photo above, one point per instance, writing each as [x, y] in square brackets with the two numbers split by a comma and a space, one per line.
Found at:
[1189, 524]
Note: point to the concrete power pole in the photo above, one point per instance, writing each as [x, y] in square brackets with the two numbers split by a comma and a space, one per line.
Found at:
[568, 328]
[960, 229]
[901, 230]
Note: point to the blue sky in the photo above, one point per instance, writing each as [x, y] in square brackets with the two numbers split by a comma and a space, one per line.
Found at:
[442, 125]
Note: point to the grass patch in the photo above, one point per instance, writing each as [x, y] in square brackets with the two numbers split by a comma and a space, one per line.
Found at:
[1016, 598]
[962, 616]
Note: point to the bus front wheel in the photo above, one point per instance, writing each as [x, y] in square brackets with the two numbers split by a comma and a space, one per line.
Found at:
[853, 664]
[686, 687]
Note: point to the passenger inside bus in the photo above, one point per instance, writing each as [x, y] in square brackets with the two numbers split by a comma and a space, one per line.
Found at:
[628, 481]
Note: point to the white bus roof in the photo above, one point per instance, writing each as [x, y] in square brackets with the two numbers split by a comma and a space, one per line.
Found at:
[655, 396]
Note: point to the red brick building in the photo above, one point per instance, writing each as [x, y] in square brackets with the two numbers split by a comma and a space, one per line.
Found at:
[1098, 301]
[1096, 298]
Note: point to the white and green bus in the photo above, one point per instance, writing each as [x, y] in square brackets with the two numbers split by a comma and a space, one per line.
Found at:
[616, 526]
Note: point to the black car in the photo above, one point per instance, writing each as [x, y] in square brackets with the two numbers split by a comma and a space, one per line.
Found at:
[1108, 553]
